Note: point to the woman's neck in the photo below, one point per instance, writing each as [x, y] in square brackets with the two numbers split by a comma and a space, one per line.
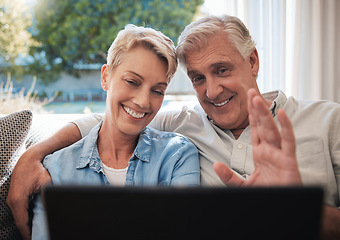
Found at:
[115, 149]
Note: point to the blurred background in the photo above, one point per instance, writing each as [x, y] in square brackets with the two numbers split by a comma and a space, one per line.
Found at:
[51, 51]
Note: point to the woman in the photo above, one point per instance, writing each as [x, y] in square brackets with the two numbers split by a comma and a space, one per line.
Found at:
[122, 150]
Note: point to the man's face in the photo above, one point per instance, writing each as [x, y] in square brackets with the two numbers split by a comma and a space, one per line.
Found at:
[221, 79]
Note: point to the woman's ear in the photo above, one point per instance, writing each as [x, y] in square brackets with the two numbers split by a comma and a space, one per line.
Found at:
[254, 62]
[104, 77]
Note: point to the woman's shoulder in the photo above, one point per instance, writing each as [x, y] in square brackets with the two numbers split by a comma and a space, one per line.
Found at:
[158, 134]
[165, 138]
[81, 148]
[62, 157]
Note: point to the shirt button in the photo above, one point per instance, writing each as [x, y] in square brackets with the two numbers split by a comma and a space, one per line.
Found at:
[239, 146]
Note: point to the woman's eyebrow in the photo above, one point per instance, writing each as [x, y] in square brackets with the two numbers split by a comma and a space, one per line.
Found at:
[134, 73]
[162, 83]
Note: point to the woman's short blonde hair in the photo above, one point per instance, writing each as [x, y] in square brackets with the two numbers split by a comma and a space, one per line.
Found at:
[196, 35]
[132, 36]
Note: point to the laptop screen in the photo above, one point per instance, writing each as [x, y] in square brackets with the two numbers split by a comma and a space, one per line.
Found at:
[102, 212]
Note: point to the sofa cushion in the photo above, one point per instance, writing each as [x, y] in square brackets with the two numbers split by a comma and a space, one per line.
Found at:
[13, 131]
[45, 125]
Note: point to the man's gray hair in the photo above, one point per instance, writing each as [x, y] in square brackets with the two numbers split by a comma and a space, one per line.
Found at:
[196, 35]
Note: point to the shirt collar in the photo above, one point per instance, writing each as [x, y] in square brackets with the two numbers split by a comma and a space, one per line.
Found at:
[143, 150]
[90, 154]
[278, 99]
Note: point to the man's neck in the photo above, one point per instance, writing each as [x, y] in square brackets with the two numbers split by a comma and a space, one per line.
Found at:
[237, 132]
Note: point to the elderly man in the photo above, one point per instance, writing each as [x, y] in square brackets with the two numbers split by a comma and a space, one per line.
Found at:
[237, 137]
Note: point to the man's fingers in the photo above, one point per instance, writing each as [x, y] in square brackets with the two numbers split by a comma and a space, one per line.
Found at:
[252, 120]
[227, 176]
[287, 133]
[44, 179]
[20, 190]
[23, 225]
[19, 207]
[261, 121]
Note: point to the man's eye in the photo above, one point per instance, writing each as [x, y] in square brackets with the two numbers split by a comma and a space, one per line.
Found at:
[222, 71]
[197, 80]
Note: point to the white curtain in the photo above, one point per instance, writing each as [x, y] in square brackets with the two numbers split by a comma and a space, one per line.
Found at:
[298, 43]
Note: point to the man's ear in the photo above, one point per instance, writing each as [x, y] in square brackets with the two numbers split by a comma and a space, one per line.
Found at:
[254, 62]
[104, 77]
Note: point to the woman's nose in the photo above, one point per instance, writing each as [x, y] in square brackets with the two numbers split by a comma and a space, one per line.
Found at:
[142, 99]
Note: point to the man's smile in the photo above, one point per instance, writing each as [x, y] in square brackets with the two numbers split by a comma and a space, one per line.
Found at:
[220, 104]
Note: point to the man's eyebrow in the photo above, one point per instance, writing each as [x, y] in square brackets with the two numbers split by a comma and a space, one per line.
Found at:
[228, 65]
[192, 72]
[222, 64]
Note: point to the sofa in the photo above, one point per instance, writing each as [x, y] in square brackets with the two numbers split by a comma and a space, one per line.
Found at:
[18, 131]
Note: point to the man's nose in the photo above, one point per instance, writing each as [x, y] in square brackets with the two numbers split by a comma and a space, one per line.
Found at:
[213, 88]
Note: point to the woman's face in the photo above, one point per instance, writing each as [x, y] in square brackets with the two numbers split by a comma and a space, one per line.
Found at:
[135, 90]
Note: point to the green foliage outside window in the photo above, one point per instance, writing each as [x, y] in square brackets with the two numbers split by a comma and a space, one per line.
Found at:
[15, 40]
[74, 32]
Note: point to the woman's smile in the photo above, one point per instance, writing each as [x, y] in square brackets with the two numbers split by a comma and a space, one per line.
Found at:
[133, 113]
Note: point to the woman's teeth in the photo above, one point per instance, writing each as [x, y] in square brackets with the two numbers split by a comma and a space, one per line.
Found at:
[133, 113]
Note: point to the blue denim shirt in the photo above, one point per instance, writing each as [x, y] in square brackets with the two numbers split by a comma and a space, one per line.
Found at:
[160, 158]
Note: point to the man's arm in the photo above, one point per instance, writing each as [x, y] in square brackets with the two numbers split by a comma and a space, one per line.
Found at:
[29, 174]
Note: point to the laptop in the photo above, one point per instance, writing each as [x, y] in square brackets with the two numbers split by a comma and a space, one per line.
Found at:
[106, 212]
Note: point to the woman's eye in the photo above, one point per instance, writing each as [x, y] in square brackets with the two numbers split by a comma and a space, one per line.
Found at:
[131, 82]
[159, 92]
